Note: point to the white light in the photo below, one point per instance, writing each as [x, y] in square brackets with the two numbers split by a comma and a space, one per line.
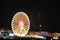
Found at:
[40, 25]
[21, 24]
[0, 33]
[11, 34]
[39, 37]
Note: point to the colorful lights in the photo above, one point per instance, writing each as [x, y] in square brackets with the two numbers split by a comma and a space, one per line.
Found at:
[20, 24]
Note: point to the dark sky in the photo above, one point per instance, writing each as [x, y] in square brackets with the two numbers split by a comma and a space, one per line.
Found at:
[39, 12]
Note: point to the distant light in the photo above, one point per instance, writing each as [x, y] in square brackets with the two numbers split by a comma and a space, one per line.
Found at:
[40, 25]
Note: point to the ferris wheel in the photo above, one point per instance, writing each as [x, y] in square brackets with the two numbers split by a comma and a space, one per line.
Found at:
[20, 24]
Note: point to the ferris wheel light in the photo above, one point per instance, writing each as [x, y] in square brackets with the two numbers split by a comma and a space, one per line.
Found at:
[20, 24]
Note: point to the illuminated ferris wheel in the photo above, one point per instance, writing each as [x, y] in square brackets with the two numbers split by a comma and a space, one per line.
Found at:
[20, 24]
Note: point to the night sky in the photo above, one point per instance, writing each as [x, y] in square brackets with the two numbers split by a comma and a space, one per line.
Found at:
[39, 12]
